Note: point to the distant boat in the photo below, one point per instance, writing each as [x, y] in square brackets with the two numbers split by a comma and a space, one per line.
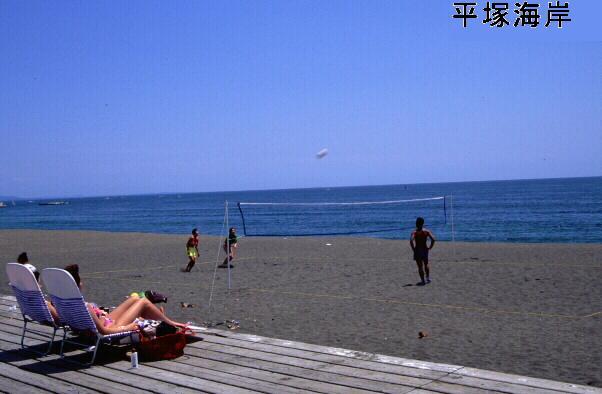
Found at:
[3, 205]
[54, 203]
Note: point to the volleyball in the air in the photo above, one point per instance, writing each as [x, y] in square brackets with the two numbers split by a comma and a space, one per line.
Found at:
[321, 154]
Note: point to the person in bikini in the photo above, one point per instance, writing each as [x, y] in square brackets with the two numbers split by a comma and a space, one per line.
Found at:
[418, 242]
[128, 316]
[192, 250]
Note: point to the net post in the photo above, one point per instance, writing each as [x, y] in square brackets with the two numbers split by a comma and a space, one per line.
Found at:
[242, 217]
[228, 245]
[451, 208]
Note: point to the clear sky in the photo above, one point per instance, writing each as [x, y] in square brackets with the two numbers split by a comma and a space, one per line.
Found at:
[101, 97]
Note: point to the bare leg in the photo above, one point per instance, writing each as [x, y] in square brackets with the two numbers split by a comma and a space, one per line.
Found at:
[191, 264]
[229, 257]
[420, 270]
[426, 270]
[145, 309]
[125, 305]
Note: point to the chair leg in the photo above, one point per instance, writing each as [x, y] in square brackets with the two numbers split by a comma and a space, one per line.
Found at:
[63, 342]
[51, 342]
[95, 350]
[23, 333]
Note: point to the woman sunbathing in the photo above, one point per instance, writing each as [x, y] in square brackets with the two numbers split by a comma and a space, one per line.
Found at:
[126, 317]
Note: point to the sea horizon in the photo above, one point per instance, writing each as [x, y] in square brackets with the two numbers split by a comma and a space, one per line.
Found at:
[542, 210]
[170, 193]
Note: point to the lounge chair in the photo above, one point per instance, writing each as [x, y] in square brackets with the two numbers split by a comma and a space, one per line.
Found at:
[32, 303]
[71, 307]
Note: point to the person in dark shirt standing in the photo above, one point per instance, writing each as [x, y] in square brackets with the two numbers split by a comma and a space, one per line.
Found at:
[232, 242]
[418, 242]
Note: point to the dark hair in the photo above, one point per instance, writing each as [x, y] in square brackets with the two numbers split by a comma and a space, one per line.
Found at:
[419, 222]
[73, 269]
[232, 229]
[194, 230]
[22, 259]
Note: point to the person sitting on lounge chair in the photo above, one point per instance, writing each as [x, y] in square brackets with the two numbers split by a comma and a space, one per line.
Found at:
[127, 316]
[24, 260]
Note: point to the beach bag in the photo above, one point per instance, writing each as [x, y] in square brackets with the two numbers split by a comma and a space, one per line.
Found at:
[165, 347]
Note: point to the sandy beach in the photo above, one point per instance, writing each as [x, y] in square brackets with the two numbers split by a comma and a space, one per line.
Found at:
[529, 309]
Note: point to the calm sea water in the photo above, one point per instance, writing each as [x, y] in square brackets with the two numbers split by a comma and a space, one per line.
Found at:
[552, 210]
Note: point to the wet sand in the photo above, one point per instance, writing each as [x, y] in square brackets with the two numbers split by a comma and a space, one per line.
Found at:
[529, 309]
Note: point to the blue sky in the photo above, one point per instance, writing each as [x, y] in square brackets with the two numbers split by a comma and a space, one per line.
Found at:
[101, 98]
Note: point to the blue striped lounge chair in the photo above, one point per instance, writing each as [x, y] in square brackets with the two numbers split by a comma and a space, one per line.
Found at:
[31, 302]
[72, 310]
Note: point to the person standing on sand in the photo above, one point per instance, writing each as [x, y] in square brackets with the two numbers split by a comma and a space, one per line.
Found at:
[421, 250]
[192, 249]
[231, 241]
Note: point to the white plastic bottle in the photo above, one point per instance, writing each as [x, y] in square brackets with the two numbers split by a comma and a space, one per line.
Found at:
[134, 358]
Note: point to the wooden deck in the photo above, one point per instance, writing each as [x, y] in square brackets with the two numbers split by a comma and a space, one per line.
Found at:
[230, 362]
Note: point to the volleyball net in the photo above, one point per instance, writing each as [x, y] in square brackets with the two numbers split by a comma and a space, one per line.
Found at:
[380, 218]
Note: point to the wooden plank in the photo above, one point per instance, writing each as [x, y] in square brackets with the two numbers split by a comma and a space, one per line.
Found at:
[302, 368]
[489, 375]
[31, 339]
[448, 388]
[115, 374]
[124, 376]
[61, 370]
[226, 378]
[16, 330]
[9, 385]
[491, 385]
[426, 365]
[34, 381]
[37, 331]
[369, 385]
[149, 372]
[10, 314]
[316, 380]
[273, 375]
[38, 374]
[527, 381]
[11, 309]
[187, 381]
[452, 388]
[8, 302]
[337, 364]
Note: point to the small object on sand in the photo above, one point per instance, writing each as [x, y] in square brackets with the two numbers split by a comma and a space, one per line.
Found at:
[186, 305]
[232, 324]
[194, 327]
[155, 297]
[422, 334]
[328, 244]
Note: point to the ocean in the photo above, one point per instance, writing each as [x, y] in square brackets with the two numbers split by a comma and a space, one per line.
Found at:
[548, 210]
